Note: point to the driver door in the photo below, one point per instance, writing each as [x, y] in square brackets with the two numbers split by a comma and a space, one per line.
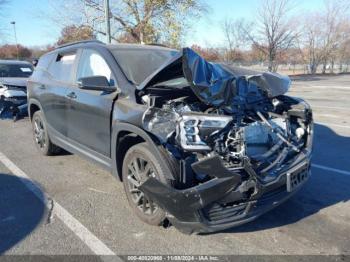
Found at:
[89, 111]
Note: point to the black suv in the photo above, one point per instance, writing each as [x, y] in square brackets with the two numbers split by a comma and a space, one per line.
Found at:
[204, 146]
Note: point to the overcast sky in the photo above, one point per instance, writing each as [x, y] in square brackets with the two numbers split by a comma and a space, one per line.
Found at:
[33, 31]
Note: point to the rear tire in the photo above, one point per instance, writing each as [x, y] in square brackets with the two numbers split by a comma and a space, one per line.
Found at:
[41, 136]
[139, 162]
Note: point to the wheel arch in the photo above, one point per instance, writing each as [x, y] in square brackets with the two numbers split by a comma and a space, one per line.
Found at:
[33, 106]
[126, 135]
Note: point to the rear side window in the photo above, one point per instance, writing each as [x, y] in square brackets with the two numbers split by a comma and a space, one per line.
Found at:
[61, 68]
[44, 61]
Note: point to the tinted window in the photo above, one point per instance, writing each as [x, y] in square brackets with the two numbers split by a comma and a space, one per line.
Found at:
[15, 70]
[138, 64]
[93, 64]
[61, 68]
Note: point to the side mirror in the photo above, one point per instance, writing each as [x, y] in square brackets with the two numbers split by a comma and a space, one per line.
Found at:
[97, 83]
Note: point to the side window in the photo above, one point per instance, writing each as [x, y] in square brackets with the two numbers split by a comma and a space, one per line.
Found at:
[44, 61]
[61, 68]
[93, 64]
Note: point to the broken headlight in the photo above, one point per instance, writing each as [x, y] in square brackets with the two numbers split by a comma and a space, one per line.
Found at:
[194, 129]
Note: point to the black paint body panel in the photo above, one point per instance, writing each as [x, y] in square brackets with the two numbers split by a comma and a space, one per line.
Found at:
[93, 124]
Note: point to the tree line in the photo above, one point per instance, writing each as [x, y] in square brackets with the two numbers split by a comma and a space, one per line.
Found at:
[277, 34]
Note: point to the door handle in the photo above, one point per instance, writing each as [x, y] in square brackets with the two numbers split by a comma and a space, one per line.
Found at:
[72, 95]
[42, 86]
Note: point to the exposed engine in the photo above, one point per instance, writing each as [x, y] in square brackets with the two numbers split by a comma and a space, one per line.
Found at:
[236, 145]
[266, 132]
[212, 111]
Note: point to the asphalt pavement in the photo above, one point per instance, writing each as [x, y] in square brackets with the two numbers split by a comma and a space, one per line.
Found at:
[66, 205]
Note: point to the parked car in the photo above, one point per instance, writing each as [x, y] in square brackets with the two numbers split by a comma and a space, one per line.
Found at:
[203, 145]
[13, 90]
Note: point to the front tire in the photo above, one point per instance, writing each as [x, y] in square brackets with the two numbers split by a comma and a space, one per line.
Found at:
[41, 136]
[139, 162]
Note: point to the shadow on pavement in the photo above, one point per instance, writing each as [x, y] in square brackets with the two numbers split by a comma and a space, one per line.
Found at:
[324, 189]
[20, 211]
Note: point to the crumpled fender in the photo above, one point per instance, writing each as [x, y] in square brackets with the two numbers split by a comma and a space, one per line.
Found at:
[117, 128]
[183, 204]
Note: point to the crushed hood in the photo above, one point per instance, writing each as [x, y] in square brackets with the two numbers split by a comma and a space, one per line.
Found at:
[213, 83]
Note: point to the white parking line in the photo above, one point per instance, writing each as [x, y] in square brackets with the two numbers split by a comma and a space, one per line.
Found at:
[344, 172]
[328, 115]
[331, 107]
[330, 87]
[96, 245]
[335, 125]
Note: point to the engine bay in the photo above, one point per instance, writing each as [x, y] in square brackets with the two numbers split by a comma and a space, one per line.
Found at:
[265, 132]
[213, 116]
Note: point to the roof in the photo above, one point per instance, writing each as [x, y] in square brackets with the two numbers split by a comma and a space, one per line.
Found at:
[111, 47]
[138, 46]
[92, 41]
[115, 46]
[14, 62]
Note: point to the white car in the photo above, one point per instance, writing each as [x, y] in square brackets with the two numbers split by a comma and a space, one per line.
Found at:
[13, 82]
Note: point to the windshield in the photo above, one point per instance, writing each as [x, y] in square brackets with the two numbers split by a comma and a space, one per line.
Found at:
[138, 64]
[15, 70]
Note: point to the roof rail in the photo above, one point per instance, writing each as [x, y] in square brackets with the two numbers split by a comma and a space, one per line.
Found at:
[156, 44]
[80, 42]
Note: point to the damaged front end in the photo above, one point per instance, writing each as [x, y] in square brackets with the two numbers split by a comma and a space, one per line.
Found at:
[242, 146]
[13, 101]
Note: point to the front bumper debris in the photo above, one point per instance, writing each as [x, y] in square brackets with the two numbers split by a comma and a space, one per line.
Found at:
[219, 203]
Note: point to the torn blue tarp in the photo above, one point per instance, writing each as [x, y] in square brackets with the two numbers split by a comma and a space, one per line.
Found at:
[217, 84]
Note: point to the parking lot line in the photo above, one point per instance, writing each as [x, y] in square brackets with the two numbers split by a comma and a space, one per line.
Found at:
[95, 244]
[328, 115]
[344, 172]
[331, 107]
[335, 125]
[330, 87]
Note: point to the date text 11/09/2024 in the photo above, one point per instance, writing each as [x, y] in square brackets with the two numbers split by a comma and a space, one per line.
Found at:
[172, 258]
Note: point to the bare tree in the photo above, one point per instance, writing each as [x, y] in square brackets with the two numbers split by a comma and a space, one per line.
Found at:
[334, 19]
[77, 13]
[325, 34]
[236, 37]
[343, 51]
[312, 41]
[274, 30]
[143, 21]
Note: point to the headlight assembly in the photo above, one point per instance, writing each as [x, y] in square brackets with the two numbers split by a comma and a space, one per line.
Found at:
[192, 130]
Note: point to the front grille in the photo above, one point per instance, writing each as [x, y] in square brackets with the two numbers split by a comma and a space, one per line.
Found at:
[220, 214]
[223, 214]
[16, 98]
[17, 88]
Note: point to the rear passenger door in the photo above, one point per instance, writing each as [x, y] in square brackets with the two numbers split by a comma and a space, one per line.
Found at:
[89, 114]
[53, 91]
